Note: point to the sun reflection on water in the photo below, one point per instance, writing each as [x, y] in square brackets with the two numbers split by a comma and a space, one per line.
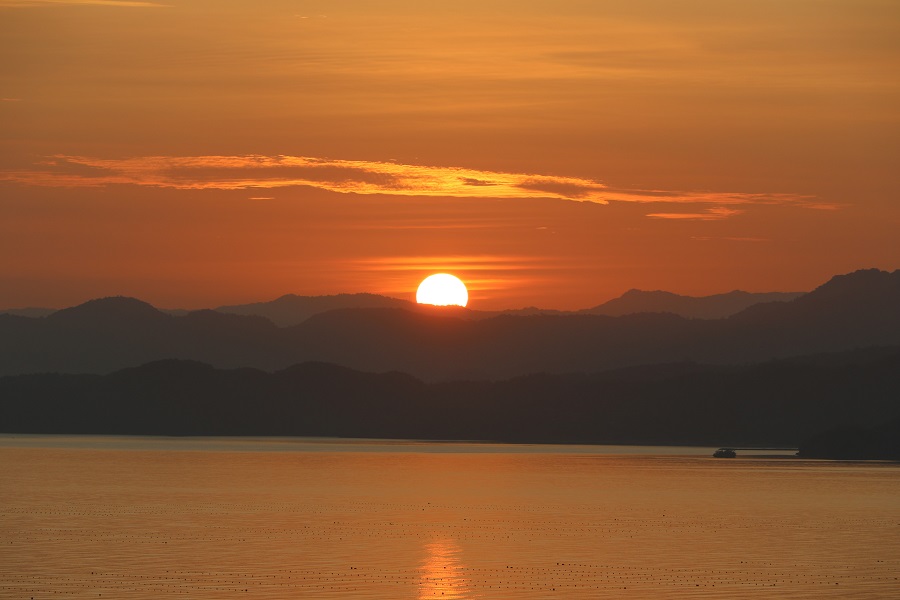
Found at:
[443, 575]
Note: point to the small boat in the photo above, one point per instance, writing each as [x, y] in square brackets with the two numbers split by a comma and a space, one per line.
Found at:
[724, 453]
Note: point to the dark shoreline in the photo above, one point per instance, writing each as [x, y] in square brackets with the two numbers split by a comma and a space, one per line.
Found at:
[780, 404]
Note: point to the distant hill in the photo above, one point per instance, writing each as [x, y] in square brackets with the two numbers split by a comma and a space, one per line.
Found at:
[848, 312]
[851, 311]
[776, 403]
[717, 306]
[293, 310]
[103, 335]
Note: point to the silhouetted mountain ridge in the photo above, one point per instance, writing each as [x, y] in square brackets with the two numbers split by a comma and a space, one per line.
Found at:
[858, 310]
[109, 311]
[776, 403]
[717, 306]
[291, 309]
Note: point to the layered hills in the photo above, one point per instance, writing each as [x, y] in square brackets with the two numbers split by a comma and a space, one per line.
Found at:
[717, 306]
[292, 309]
[775, 403]
[857, 310]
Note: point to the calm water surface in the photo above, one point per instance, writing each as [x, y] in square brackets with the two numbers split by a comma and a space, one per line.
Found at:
[92, 517]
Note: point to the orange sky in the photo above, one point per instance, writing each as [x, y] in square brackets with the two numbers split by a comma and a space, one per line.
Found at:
[553, 154]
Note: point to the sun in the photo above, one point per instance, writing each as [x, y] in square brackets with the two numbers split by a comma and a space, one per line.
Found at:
[442, 289]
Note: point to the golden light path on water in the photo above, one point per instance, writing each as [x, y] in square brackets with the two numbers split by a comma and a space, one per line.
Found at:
[228, 519]
[442, 573]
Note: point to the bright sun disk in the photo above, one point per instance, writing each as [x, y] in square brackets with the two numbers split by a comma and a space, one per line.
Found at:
[442, 289]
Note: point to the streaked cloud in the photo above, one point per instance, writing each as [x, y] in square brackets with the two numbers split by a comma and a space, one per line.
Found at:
[373, 177]
[716, 213]
[455, 263]
[480, 273]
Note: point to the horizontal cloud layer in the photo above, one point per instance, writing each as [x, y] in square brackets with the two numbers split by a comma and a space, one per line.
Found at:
[372, 177]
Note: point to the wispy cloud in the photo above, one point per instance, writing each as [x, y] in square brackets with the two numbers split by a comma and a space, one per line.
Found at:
[715, 213]
[373, 177]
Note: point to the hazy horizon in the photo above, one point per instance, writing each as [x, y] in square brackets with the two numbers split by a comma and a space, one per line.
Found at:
[410, 297]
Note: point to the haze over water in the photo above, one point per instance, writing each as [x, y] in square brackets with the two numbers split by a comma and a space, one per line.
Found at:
[84, 517]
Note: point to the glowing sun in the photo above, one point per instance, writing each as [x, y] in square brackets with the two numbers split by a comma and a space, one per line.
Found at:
[442, 289]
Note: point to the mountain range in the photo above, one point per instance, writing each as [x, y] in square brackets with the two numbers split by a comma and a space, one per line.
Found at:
[778, 403]
[291, 309]
[857, 310]
[718, 306]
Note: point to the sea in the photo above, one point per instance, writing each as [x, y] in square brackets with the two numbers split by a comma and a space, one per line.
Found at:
[229, 518]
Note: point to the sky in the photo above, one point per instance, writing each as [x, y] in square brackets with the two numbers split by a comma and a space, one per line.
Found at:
[195, 153]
